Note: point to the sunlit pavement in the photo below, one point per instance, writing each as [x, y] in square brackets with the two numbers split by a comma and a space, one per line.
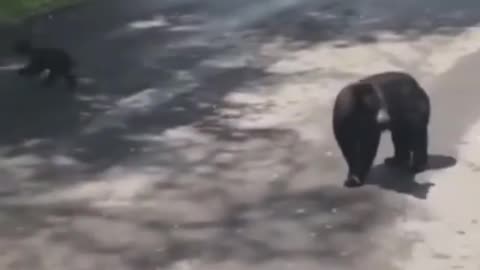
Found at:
[200, 138]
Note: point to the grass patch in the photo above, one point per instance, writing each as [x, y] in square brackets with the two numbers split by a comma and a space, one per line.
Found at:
[15, 10]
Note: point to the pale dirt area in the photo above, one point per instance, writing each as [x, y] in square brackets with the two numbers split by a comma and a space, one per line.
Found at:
[453, 234]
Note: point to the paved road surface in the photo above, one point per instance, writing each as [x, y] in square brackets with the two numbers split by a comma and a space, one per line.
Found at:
[200, 139]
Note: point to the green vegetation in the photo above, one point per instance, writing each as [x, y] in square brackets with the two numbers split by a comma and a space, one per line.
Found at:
[14, 10]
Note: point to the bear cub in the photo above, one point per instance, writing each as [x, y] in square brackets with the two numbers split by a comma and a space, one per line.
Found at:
[56, 61]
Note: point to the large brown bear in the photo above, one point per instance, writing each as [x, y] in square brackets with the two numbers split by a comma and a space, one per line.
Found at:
[386, 101]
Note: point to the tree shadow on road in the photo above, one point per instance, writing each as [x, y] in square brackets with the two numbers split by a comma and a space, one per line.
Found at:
[347, 24]
[330, 225]
[144, 161]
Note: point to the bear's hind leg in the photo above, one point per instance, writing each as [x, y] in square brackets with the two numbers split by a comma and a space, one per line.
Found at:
[71, 80]
[401, 144]
[420, 149]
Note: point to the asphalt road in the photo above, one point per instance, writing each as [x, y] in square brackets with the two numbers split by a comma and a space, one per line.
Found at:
[200, 138]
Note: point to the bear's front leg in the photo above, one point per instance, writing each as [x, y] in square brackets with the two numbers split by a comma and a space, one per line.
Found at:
[365, 155]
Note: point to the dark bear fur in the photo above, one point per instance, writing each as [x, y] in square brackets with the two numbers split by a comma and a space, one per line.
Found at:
[386, 101]
[57, 61]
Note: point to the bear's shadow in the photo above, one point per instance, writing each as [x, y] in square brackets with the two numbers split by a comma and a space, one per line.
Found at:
[404, 182]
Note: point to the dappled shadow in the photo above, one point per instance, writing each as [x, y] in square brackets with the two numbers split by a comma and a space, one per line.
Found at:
[165, 65]
[331, 226]
[31, 111]
[309, 22]
[403, 182]
[259, 233]
[147, 165]
[59, 128]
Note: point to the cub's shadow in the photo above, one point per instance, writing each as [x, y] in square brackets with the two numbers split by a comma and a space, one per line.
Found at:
[32, 111]
[404, 182]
